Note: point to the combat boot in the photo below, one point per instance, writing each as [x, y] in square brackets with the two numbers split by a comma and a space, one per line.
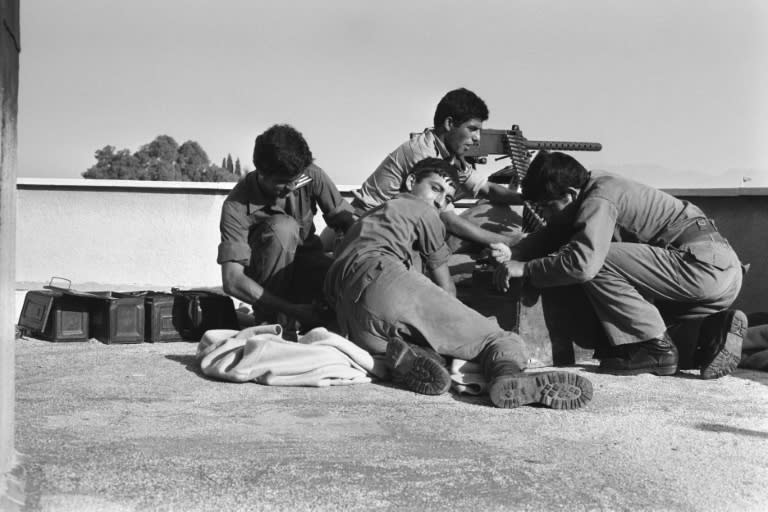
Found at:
[657, 355]
[510, 387]
[720, 339]
[418, 369]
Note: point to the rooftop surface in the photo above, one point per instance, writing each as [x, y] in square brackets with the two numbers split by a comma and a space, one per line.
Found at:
[137, 427]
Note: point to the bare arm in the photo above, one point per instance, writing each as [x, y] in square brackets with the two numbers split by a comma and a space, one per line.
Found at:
[242, 287]
[467, 230]
[499, 194]
[442, 278]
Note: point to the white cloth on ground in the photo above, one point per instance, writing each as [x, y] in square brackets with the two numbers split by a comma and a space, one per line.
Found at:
[467, 377]
[259, 354]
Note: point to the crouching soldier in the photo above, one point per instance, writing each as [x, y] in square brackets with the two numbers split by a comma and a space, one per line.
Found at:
[269, 254]
[650, 264]
[385, 306]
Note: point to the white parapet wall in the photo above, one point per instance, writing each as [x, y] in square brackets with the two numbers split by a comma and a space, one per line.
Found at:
[131, 235]
[119, 234]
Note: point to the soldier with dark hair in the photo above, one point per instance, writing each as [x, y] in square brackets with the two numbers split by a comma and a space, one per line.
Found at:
[269, 254]
[385, 306]
[651, 265]
[458, 118]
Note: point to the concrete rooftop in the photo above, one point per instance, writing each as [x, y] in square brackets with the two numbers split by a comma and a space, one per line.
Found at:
[136, 427]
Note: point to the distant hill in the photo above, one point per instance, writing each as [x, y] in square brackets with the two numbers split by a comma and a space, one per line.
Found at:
[662, 177]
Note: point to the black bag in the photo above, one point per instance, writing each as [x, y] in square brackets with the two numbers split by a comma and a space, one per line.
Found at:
[196, 311]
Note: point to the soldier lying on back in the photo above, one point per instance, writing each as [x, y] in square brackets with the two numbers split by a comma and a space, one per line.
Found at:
[650, 264]
[385, 306]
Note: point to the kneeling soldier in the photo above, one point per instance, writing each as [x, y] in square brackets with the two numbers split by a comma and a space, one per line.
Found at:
[649, 263]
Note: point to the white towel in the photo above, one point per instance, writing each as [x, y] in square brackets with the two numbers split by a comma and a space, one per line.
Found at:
[259, 354]
[467, 377]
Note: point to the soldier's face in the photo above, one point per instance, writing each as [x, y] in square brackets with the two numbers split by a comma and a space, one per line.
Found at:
[433, 189]
[459, 138]
[276, 186]
[558, 211]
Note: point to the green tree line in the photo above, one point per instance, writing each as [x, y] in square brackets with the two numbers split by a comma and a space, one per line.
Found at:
[163, 159]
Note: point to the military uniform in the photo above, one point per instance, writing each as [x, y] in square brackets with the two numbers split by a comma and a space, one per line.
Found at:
[645, 259]
[387, 180]
[276, 243]
[379, 296]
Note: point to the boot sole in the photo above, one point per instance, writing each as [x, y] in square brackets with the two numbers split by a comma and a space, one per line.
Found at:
[661, 371]
[727, 358]
[416, 372]
[558, 390]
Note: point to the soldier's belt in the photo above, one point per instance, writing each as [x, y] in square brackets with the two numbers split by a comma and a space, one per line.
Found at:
[702, 229]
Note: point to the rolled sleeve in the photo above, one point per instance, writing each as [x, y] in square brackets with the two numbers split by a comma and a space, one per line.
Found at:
[334, 207]
[234, 233]
[387, 180]
[431, 241]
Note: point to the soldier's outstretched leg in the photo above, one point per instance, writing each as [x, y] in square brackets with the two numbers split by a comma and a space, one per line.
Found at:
[419, 369]
[509, 386]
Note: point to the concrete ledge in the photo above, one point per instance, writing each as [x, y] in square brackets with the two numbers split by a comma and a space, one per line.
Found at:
[94, 184]
[717, 192]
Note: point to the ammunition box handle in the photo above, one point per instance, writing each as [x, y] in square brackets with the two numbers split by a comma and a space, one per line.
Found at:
[51, 285]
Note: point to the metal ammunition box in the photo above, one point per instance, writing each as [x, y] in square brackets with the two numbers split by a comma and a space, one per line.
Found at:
[557, 325]
[116, 317]
[54, 316]
[160, 324]
[196, 311]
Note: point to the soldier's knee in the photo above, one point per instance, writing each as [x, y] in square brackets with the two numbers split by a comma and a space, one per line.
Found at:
[285, 229]
[284, 225]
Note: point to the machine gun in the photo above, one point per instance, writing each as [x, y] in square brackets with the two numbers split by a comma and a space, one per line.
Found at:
[511, 144]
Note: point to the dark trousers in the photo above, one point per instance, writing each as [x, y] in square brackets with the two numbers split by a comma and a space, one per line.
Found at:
[284, 264]
[396, 302]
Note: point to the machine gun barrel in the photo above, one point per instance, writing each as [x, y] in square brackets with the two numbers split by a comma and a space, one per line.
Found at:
[554, 145]
[511, 142]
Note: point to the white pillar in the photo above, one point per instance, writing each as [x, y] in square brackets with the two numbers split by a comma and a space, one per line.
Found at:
[9, 87]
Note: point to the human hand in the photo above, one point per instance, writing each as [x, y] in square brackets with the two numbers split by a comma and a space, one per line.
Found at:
[506, 271]
[500, 252]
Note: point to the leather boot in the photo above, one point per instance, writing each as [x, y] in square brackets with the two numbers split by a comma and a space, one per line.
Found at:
[719, 349]
[418, 369]
[510, 387]
[658, 356]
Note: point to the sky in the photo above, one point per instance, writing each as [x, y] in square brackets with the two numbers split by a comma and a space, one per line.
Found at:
[674, 90]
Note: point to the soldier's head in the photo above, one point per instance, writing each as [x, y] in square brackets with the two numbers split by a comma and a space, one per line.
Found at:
[280, 155]
[552, 183]
[459, 116]
[434, 181]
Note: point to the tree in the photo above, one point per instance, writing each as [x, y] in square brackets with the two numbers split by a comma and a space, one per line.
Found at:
[238, 170]
[160, 160]
[103, 166]
[192, 161]
[216, 173]
[111, 165]
[163, 147]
